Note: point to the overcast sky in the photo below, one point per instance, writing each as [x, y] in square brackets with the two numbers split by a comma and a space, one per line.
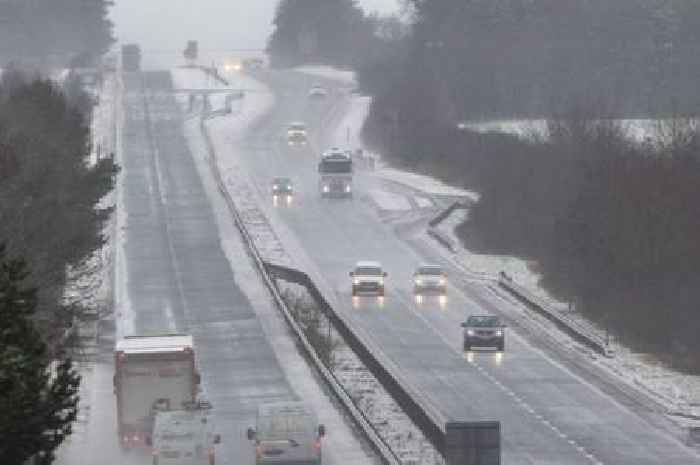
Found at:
[216, 24]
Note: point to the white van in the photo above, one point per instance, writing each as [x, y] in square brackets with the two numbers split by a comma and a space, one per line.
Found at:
[287, 433]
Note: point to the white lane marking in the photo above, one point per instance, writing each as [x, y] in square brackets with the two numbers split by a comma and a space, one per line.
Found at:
[488, 375]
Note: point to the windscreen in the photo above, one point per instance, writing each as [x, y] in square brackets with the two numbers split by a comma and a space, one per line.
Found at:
[368, 271]
[483, 321]
[336, 166]
[430, 270]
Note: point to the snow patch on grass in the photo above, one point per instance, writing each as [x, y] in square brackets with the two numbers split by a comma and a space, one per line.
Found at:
[389, 201]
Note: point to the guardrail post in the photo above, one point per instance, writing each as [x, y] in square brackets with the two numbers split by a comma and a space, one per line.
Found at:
[473, 443]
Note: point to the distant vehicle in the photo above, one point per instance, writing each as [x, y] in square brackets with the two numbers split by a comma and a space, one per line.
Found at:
[317, 91]
[131, 57]
[151, 373]
[429, 280]
[282, 191]
[232, 66]
[282, 186]
[185, 437]
[252, 64]
[287, 433]
[484, 331]
[368, 278]
[296, 134]
[191, 52]
[335, 170]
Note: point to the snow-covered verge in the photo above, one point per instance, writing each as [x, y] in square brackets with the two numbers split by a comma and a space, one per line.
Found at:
[90, 284]
[679, 393]
[348, 136]
[328, 72]
[392, 424]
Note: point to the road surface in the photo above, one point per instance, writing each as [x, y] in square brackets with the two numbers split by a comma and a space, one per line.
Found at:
[549, 413]
[175, 274]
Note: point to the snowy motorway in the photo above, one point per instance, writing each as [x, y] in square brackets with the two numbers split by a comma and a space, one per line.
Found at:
[183, 267]
[549, 413]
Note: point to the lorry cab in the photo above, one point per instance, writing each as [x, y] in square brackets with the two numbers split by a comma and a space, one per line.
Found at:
[287, 432]
[335, 170]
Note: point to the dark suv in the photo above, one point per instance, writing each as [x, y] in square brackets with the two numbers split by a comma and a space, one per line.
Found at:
[484, 331]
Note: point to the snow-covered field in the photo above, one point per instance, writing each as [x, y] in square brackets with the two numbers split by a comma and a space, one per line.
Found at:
[638, 130]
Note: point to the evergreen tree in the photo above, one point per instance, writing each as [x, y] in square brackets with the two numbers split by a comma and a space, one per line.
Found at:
[39, 395]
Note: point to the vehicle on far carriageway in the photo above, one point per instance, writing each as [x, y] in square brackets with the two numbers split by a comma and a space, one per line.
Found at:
[296, 134]
[368, 278]
[335, 174]
[282, 190]
[484, 331]
[430, 280]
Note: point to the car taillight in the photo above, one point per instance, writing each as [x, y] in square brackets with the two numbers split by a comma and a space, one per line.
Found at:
[212, 458]
[317, 444]
[259, 452]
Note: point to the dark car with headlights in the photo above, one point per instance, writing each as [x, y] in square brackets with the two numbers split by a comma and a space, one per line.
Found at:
[484, 331]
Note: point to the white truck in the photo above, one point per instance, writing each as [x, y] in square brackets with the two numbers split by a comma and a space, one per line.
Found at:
[151, 373]
[185, 437]
[335, 171]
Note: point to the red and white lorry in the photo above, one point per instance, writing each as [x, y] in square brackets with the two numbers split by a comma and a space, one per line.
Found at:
[152, 373]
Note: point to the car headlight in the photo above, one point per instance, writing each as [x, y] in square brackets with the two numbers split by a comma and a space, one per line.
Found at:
[326, 189]
[442, 281]
[418, 281]
[470, 332]
[347, 188]
[275, 187]
[499, 333]
[356, 281]
[381, 281]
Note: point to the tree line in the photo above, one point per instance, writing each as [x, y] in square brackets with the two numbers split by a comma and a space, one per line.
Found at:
[50, 221]
[54, 33]
[611, 222]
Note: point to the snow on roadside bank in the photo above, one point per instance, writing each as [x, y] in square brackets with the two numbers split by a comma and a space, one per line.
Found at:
[679, 393]
[328, 72]
[348, 135]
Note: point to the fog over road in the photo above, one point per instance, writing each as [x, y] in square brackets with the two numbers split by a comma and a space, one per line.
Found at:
[217, 24]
